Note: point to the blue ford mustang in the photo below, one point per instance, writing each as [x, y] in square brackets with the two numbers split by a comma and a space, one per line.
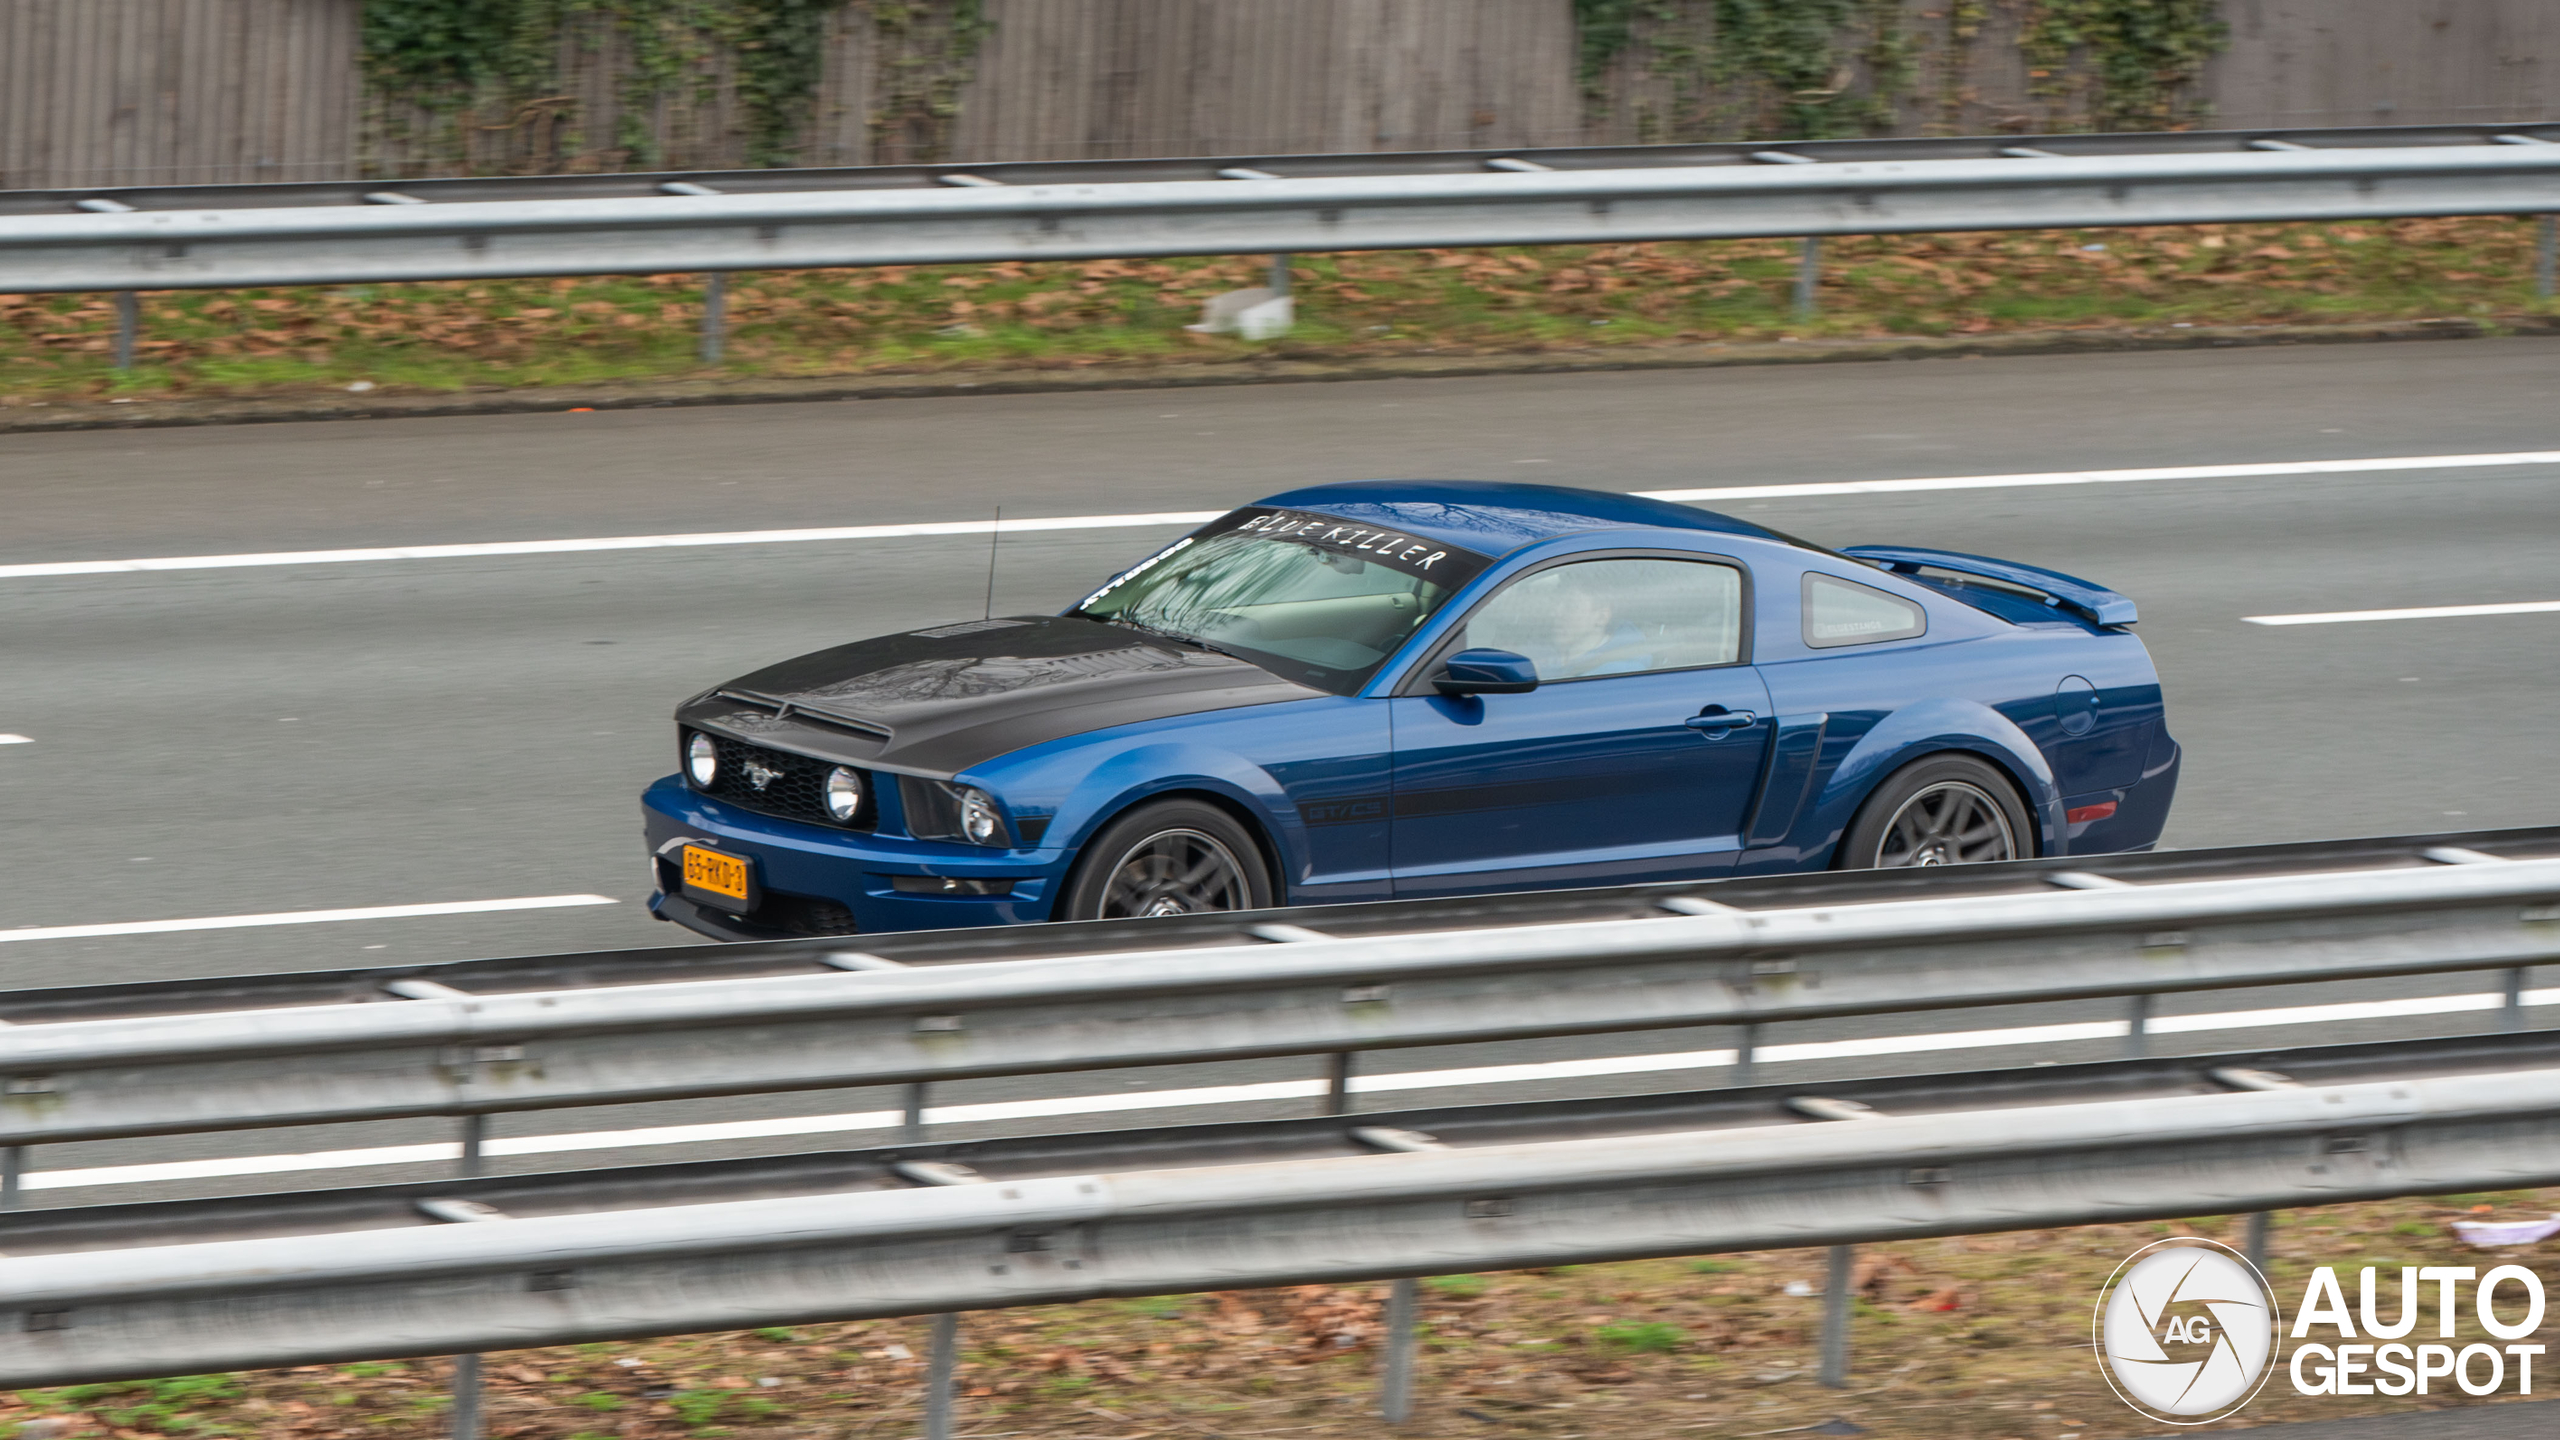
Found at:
[1400, 688]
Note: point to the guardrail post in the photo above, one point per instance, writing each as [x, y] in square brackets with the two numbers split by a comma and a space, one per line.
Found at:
[13, 1175]
[475, 1139]
[2546, 264]
[1395, 1393]
[1744, 1050]
[466, 1368]
[942, 1365]
[466, 1397]
[1337, 1083]
[1280, 275]
[2253, 1239]
[2511, 1012]
[2137, 1027]
[911, 1127]
[1809, 278]
[1836, 1300]
[715, 315]
[128, 327]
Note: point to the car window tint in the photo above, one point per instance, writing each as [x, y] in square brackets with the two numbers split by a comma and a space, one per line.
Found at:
[1616, 617]
[1844, 612]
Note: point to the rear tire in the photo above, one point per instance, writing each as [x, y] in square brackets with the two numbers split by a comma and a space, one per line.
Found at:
[1173, 857]
[1948, 809]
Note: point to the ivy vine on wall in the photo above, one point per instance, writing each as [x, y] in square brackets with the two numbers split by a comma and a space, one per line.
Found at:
[437, 50]
[513, 84]
[1791, 47]
[2141, 54]
[1605, 29]
[926, 50]
[1816, 69]
[464, 62]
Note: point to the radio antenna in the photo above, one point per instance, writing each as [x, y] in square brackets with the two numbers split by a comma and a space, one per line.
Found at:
[995, 536]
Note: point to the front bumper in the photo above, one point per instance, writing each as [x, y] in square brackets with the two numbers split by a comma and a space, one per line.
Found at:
[815, 880]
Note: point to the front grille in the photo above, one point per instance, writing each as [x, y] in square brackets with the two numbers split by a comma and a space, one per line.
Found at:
[804, 916]
[795, 787]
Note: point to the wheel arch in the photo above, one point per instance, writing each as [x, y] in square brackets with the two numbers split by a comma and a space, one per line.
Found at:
[2000, 768]
[1266, 845]
[1915, 733]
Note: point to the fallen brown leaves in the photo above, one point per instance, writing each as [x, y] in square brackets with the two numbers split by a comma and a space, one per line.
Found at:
[1952, 1339]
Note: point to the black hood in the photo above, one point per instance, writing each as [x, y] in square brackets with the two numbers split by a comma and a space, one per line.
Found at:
[939, 700]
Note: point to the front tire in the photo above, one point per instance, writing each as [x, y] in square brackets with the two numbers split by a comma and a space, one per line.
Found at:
[1173, 857]
[1944, 810]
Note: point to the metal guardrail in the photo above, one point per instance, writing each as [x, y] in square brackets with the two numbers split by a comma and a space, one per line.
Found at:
[451, 1053]
[962, 1241]
[1769, 191]
[1464, 1123]
[2405, 905]
[642, 184]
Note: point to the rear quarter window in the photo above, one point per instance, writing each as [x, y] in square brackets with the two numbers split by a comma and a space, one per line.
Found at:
[1841, 612]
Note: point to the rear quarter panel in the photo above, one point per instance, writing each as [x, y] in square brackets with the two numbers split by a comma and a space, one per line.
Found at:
[1974, 684]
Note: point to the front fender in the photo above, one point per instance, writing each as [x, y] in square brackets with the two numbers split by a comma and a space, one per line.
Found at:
[1136, 775]
[1927, 728]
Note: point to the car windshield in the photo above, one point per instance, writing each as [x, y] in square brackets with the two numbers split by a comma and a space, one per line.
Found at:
[1314, 599]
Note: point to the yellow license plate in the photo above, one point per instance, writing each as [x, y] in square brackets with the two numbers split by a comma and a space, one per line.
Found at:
[710, 871]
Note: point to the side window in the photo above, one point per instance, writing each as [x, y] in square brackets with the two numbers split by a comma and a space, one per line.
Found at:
[1843, 612]
[1615, 617]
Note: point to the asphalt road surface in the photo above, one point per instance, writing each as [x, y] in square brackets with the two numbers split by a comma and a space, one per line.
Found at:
[303, 737]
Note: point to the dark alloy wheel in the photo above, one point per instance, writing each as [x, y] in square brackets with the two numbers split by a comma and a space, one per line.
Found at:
[1945, 810]
[1175, 857]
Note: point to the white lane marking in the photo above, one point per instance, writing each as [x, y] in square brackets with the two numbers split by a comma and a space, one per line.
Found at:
[2118, 477]
[1544, 1070]
[609, 542]
[1957, 1040]
[2425, 612]
[17, 740]
[1127, 1100]
[2275, 468]
[300, 917]
[165, 1171]
[691, 1134]
[2331, 1014]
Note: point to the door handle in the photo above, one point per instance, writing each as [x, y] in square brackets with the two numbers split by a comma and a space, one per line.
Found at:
[1714, 726]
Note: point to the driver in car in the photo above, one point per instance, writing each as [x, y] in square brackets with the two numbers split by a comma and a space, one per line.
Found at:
[1566, 627]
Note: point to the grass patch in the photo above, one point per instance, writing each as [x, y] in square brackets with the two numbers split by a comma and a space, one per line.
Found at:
[1651, 1337]
[462, 335]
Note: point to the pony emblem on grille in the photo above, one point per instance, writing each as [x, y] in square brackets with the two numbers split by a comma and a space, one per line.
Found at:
[761, 775]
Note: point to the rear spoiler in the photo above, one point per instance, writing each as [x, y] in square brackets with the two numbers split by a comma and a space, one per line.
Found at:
[2097, 603]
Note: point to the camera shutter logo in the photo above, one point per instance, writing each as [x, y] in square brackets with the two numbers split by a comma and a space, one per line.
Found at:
[2186, 1330]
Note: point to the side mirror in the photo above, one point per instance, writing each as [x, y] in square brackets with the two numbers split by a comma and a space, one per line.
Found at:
[1486, 672]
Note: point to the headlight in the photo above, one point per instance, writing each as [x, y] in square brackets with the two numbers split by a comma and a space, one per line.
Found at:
[979, 820]
[844, 794]
[702, 760]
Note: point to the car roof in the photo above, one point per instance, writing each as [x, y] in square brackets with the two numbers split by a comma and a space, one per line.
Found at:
[1493, 517]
